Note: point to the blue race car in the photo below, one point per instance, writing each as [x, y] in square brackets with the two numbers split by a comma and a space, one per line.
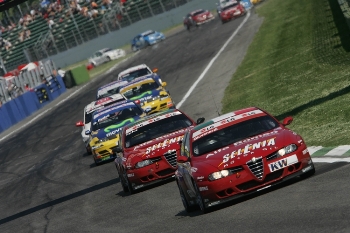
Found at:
[145, 39]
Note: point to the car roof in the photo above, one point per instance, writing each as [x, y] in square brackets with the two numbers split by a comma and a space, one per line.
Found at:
[147, 32]
[130, 69]
[238, 114]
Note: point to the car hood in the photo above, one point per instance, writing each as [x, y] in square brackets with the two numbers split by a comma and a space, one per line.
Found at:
[243, 151]
[153, 36]
[112, 130]
[203, 16]
[157, 147]
[231, 9]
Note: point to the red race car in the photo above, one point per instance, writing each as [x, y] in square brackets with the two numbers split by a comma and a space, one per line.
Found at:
[146, 151]
[231, 11]
[196, 18]
[241, 152]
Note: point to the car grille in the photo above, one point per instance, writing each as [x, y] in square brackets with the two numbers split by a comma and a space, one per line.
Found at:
[170, 156]
[235, 169]
[104, 152]
[257, 168]
[253, 183]
[155, 159]
[164, 105]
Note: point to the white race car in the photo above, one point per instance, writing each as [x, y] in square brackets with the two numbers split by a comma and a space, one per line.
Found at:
[106, 55]
[90, 109]
[135, 72]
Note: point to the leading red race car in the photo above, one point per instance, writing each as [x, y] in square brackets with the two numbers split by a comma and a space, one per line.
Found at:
[238, 153]
[197, 17]
[146, 151]
[231, 11]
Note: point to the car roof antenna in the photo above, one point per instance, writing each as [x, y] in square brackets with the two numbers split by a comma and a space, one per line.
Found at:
[216, 107]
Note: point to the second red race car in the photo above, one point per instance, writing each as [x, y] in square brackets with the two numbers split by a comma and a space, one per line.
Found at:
[197, 17]
[146, 152]
[238, 153]
[231, 11]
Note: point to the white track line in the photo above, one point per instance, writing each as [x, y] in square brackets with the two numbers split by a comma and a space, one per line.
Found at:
[212, 61]
[330, 160]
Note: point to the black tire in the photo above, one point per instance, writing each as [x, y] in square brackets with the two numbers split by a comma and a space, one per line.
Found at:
[108, 59]
[223, 21]
[128, 184]
[96, 163]
[199, 199]
[88, 150]
[134, 49]
[187, 207]
[122, 182]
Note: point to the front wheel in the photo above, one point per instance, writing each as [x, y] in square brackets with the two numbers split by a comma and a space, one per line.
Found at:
[122, 182]
[187, 207]
[128, 184]
[133, 48]
[199, 200]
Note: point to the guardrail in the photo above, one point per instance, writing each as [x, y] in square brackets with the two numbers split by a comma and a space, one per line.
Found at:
[345, 8]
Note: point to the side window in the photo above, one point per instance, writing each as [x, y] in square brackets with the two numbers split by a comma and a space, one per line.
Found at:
[120, 139]
[182, 149]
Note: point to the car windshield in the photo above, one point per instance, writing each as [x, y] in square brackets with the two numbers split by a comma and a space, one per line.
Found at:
[230, 6]
[137, 89]
[198, 12]
[135, 74]
[232, 134]
[157, 129]
[116, 117]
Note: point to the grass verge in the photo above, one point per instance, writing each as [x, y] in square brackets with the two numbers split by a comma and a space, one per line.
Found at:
[298, 64]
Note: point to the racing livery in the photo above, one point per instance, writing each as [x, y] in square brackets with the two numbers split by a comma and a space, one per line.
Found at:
[149, 92]
[90, 109]
[197, 17]
[146, 152]
[105, 125]
[231, 10]
[238, 153]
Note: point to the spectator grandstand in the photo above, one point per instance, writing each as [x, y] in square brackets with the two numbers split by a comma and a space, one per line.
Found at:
[49, 27]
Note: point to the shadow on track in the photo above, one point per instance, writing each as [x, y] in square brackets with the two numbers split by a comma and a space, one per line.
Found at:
[59, 200]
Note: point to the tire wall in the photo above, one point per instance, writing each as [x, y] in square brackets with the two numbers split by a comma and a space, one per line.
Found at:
[123, 36]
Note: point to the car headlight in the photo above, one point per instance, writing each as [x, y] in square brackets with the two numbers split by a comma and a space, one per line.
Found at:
[155, 98]
[103, 140]
[143, 163]
[219, 175]
[96, 147]
[286, 150]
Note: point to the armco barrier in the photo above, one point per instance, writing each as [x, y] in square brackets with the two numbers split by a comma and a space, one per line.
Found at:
[345, 8]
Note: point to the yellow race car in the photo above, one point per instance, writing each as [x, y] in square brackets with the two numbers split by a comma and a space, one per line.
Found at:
[149, 92]
[105, 126]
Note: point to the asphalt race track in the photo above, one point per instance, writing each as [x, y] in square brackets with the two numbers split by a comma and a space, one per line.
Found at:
[49, 184]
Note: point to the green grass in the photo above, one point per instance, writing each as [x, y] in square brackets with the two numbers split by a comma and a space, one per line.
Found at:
[299, 65]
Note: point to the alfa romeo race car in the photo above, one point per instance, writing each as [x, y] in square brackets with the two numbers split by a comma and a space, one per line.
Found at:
[231, 10]
[197, 17]
[241, 152]
[106, 55]
[145, 39]
[146, 152]
[105, 125]
[149, 92]
[90, 109]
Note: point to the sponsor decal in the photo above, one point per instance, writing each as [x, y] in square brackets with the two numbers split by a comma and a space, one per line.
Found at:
[134, 128]
[282, 163]
[165, 143]
[131, 175]
[204, 188]
[200, 177]
[141, 95]
[305, 151]
[307, 169]
[217, 151]
[116, 126]
[248, 149]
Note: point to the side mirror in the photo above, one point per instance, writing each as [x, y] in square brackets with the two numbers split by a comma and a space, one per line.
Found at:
[155, 70]
[87, 132]
[287, 120]
[79, 124]
[117, 149]
[164, 84]
[182, 159]
[200, 120]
